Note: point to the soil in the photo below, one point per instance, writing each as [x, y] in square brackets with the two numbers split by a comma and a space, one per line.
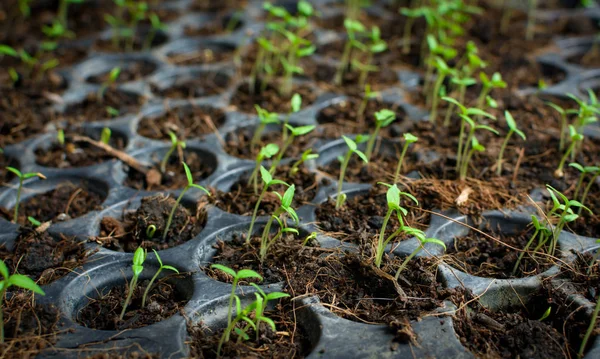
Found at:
[586, 279]
[269, 98]
[185, 122]
[380, 167]
[76, 154]
[217, 5]
[67, 201]
[127, 234]
[589, 224]
[140, 43]
[324, 75]
[6, 176]
[131, 71]
[518, 332]
[92, 109]
[202, 56]
[482, 256]
[206, 85]
[43, 257]
[174, 176]
[241, 198]
[217, 26]
[290, 340]
[163, 301]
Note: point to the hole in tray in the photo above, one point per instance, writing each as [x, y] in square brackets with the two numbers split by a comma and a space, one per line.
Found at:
[186, 122]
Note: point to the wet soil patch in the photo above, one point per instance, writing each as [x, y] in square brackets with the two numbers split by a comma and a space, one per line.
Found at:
[206, 85]
[129, 233]
[185, 122]
[67, 201]
[289, 341]
[202, 56]
[76, 154]
[129, 72]
[238, 143]
[93, 109]
[174, 175]
[241, 198]
[163, 301]
[42, 257]
[269, 98]
[482, 256]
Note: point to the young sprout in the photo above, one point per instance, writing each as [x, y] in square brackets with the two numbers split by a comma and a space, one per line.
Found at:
[298, 48]
[296, 105]
[293, 133]
[175, 144]
[442, 72]
[112, 78]
[311, 236]
[408, 139]
[437, 50]
[268, 151]
[17, 280]
[383, 118]
[34, 222]
[112, 112]
[512, 128]
[283, 209]
[595, 172]
[412, 15]
[137, 267]
[376, 45]
[262, 302]
[268, 181]
[475, 147]
[150, 231]
[24, 7]
[306, 156]
[487, 86]
[563, 122]
[156, 26]
[542, 231]
[22, 177]
[422, 241]
[60, 137]
[367, 96]
[546, 314]
[162, 266]
[190, 184]
[353, 28]
[237, 276]
[105, 135]
[393, 197]
[462, 84]
[590, 329]
[352, 148]
[265, 117]
[584, 172]
[576, 137]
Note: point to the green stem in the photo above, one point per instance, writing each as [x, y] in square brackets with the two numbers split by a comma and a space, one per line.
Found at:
[499, 162]
[460, 144]
[563, 131]
[165, 160]
[343, 64]
[259, 59]
[465, 165]
[257, 134]
[578, 186]
[436, 89]
[265, 235]
[530, 19]
[407, 32]
[62, 13]
[229, 311]
[481, 99]
[590, 329]
[150, 286]
[411, 256]
[338, 199]
[563, 160]
[262, 194]
[524, 251]
[400, 161]
[363, 75]
[461, 90]
[128, 299]
[586, 191]
[371, 143]
[173, 212]
[280, 154]
[380, 243]
[16, 214]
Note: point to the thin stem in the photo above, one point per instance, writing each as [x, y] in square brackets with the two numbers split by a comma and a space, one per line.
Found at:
[380, 243]
[499, 162]
[590, 329]
[257, 134]
[563, 131]
[407, 32]
[530, 19]
[338, 200]
[400, 161]
[465, 165]
[363, 75]
[163, 163]
[586, 191]
[284, 148]
[150, 286]
[411, 256]
[262, 194]
[371, 143]
[481, 99]
[563, 160]
[460, 144]
[436, 90]
[578, 186]
[524, 251]
[173, 212]
[229, 310]
[343, 64]
[16, 214]
[128, 299]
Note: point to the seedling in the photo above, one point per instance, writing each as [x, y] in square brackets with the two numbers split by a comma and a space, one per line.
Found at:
[420, 236]
[590, 329]
[546, 314]
[190, 184]
[584, 171]
[268, 181]
[512, 128]
[462, 84]
[284, 208]
[383, 118]
[22, 177]
[353, 28]
[112, 112]
[265, 117]
[311, 236]
[576, 138]
[442, 72]
[268, 151]
[60, 137]
[352, 149]
[175, 144]
[25, 8]
[162, 266]
[156, 26]
[563, 122]
[412, 15]
[375, 46]
[408, 139]
[262, 305]
[105, 135]
[306, 156]
[296, 105]
[437, 51]
[17, 280]
[293, 133]
[150, 231]
[367, 96]
[112, 78]
[393, 197]
[31, 61]
[541, 232]
[487, 86]
[139, 257]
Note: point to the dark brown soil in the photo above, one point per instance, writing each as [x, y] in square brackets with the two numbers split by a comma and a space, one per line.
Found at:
[590, 59]
[324, 74]
[241, 198]
[205, 85]
[6, 176]
[92, 109]
[270, 98]
[76, 154]
[42, 257]
[185, 122]
[131, 232]
[163, 301]
[174, 176]
[586, 279]
[139, 43]
[220, 25]
[129, 72]
[381, 167]
[482, 256]
[289, 341]
[518, 332]
[589, 224]
[68, 200]
[217, 5]
[201, 56]
[237, 143]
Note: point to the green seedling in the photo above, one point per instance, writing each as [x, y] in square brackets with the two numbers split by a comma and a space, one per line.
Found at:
[268, 181]
[512, 128]
[488, 85]
[266, 118]
[306, 156]
[298, 48]
[139, 257]
[353, 28]
[112, 78]
[376, 45]
[285, 208]
[112, 112]
[354, 7]
[541, 232]
[268, 151]
[293, 133]
[175, 144]
[475, 147]
[105, 135]
[412, 15]
[352, 149]
[420, 236]
[383, 118]
[546, 314]
[444, 53]
[584, 171]
[150, 231]
[262, 306]
[22, 177]
[367, 96]
[191, 184]
[31, 62]
[311, 236]
[462, 84]
[563, 123]
[442, 72]
[576, 138]
[296, 105]
[162, 266]
[34, 222]
[590, 329]
[17, 280]
[155, 26]
[57, 31]
[409, 138]
[393, 197]
[60, 137]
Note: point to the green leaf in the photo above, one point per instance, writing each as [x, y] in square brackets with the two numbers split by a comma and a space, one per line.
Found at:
[351, 144]
[34, 221]
[362, 156]
[288, 197]
[269, 150]
[241, 333]
[266, 176]
[577, 166]
[410, 138]
[7, 50]
[276, 295]
[4, 269]
[296, 101]
[33, 174]
[434, 241]
[510, 121]
[25, 282]
[269, 321]
[15, 171]
[248, 273]
[197, 186]
[301, 130]
[224, 269]
[139, 256]
[188, 174]
[385, 117]
[393, 195]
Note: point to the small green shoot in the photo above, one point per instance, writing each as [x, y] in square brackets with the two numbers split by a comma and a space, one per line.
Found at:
[487, 86]
[576, 138]
[409, 138]
[265, 117]
[512, 128]
[546, 314]
[175, 144]
[112, 78]
[541, 232]
[563, 123]
[306, 156]
[420, 236]
[293, 133]
[22, 177]
[268, 181]
[150, 231]
[268, 151]
[383, 118]
[285, 208]
[139, 257]
[105, 135]
[162, 266]
[60, 137]
[34, 222]
[352, 149]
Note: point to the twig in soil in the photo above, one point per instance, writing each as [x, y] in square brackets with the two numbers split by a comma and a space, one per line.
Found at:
[518, 164]
[71, 199]
[130, 161]
[347, 312]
